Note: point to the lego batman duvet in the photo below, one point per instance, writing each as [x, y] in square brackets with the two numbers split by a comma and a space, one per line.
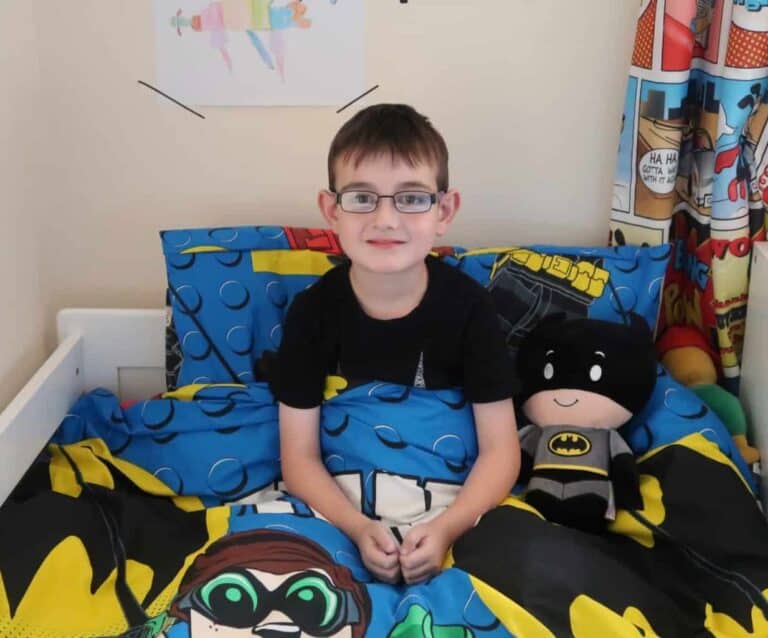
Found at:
[143, 522]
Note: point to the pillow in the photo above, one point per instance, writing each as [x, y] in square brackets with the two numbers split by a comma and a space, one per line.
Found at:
[229, 288]
[529, 283]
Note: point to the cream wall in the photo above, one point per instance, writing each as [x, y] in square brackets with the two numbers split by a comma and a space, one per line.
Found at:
[21, 182]
[527, 94]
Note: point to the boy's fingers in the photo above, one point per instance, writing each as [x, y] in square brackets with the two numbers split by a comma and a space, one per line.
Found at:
[388, 561]
[381, 559]
[417, 575]
[412, 565]
[384, 540]
[416, 558]
[391, 575]
[412, 539]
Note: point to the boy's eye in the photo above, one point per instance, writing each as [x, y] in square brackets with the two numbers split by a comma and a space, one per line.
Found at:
[412, 199]
[362, 198]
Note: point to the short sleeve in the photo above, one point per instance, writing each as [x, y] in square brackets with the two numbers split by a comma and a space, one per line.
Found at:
[488, 372]
[302, 359]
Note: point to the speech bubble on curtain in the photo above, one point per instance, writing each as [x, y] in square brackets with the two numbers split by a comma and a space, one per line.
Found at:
[658, 170]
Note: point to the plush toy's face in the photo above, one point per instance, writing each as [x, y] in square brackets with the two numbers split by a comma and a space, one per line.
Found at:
[568, 404]
[575, 407]
[586, 372]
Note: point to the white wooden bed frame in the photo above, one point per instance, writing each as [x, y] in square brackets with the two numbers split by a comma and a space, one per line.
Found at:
[124, 351]
[121, 350]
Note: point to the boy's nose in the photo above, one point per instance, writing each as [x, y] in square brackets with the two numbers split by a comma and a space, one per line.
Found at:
[386, 215]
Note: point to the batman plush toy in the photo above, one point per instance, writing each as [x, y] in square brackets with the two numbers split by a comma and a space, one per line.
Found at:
[581, 380]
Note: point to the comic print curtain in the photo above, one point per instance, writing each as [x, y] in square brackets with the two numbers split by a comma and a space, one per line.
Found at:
[692, 164]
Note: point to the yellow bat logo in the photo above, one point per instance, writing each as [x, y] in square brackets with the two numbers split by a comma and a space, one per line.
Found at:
[569, 444]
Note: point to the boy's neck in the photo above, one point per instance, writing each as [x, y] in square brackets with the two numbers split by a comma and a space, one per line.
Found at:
[389, 295]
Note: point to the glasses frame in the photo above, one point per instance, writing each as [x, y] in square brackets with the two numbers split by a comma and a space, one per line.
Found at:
[433, 199]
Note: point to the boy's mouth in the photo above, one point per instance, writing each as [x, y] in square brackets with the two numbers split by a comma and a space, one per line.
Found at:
[384, 243]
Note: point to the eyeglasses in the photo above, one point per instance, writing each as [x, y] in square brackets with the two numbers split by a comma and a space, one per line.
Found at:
[408, 202]
[237, 599]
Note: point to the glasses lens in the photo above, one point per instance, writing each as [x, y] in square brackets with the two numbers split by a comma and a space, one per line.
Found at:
[413, 201]
[359, 201]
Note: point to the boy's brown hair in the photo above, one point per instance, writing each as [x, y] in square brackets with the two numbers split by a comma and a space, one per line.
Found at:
[397, 129]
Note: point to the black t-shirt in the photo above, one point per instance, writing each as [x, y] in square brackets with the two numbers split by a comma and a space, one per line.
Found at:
[451, 339]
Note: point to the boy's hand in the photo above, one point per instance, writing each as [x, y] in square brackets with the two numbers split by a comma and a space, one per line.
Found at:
[423, 551]
[378, 550]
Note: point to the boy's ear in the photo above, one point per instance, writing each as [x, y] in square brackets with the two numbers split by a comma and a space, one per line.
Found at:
[326, 202]
[447, 207]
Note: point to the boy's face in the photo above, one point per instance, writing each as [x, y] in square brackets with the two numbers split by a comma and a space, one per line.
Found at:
[386, 240]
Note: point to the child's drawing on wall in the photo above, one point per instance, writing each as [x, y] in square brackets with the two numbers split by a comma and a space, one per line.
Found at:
[259, 52]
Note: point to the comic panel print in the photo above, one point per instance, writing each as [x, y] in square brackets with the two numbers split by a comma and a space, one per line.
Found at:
[707, 283]
[622, 185]
[748, 36]
[642, 55]
[660, 124]
[726, 119]
[706, 27]
[756, 143]
[629, 234]
[672, 32]
[678, 36]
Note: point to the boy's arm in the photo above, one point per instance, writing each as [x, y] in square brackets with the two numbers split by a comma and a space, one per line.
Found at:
[492, 477]
[304, 474]
[487, 374]
[494, 473]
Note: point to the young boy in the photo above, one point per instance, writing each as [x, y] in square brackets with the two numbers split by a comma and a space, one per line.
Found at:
[394, 313]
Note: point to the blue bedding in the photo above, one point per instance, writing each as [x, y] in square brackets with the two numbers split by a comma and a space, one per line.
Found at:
[166, 517]
[188, 483]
